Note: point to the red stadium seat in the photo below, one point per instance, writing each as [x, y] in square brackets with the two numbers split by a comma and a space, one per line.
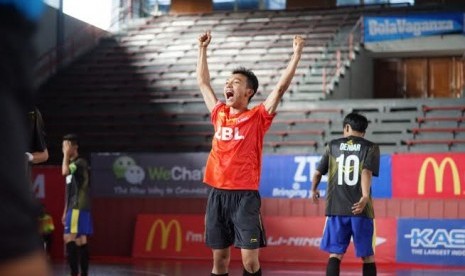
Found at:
[421, 120]
[454, 131]
[427, 108]
[299, 144]
[307, 132]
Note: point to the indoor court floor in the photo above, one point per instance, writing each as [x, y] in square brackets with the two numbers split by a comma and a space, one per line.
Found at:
[202, 268]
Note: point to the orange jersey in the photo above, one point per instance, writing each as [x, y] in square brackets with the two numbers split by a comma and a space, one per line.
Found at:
[235, 159]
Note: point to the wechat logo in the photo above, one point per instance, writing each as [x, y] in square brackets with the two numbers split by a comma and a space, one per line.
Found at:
[126, 167]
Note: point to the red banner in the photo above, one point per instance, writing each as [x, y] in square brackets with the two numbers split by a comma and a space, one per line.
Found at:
[428, 175]
[50, 190]
[290, 239]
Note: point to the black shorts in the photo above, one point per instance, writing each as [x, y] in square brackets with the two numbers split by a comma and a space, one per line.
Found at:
[233, 217]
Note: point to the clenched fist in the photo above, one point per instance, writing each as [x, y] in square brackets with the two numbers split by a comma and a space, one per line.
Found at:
[204, 39]
[298, 44]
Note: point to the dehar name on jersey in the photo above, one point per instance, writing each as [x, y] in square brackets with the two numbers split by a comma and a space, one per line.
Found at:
[349, 146]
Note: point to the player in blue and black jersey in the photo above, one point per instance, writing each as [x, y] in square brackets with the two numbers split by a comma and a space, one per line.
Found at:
[76, 215]
[350, 162]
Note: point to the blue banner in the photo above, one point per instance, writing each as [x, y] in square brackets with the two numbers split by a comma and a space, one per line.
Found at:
[381, 186]
[290, 176]
[381, 28]
[431, 241]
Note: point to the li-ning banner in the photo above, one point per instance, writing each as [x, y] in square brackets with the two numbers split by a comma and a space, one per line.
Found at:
[289, 239]
[381, 28]
[431, 241]
[148, 175]
[290, 176]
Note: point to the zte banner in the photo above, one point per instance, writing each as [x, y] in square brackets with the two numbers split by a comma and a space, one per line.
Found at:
[381, 28]
[428, 175]
[289, 239]
[148, 175]
[431, 241]
[290, 176]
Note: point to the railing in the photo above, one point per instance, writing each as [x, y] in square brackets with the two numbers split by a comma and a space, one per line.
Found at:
[353, 37]
[76, 44]
[462, 75]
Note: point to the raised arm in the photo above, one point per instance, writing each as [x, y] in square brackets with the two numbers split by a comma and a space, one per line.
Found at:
[65, 163]
[203, 74]
[272, 101]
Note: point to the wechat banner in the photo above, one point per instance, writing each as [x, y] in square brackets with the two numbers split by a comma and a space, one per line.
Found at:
[148, 174]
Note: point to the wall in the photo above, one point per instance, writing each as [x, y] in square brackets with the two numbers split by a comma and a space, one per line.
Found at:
[423, 46]
[357, 82]
[189, 7]
[46, 35]
[114, 219]
[448, 2]
[81, 34]
[298, 4]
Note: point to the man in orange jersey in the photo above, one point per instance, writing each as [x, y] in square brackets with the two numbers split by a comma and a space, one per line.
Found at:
[234, 164]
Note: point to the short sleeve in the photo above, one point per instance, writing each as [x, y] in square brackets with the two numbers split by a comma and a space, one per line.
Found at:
[214, 114]
[323, 166]
[267, 118]
[372, 160]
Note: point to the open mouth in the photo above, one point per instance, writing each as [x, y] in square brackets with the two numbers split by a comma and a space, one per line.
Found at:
[229, 95]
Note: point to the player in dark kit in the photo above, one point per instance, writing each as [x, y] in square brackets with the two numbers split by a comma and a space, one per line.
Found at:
[76, 215]
[351, 162]
[21, 252]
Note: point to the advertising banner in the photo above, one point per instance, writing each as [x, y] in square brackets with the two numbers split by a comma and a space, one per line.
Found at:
[429, 175]
[290, 176]
[431, 241]
[181, 175]
[148, 175]
[289, 239]
[170, 236]
[382, 28]
[49, 188]
[297, 239]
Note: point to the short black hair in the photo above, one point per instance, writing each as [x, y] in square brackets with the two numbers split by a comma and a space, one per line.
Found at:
[252, 81]
[73, 138]
[356, 121]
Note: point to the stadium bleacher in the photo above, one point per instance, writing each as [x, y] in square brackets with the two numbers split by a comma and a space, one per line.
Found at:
[139, 86]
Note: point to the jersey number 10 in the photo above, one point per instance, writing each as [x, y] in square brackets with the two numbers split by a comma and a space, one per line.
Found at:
[348, 168]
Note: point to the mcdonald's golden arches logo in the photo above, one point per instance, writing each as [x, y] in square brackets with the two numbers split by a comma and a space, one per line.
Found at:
[165, 229]
[438, 171]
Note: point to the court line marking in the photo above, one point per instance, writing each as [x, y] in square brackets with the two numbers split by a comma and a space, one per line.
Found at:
[294, 272]
[143, 272]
